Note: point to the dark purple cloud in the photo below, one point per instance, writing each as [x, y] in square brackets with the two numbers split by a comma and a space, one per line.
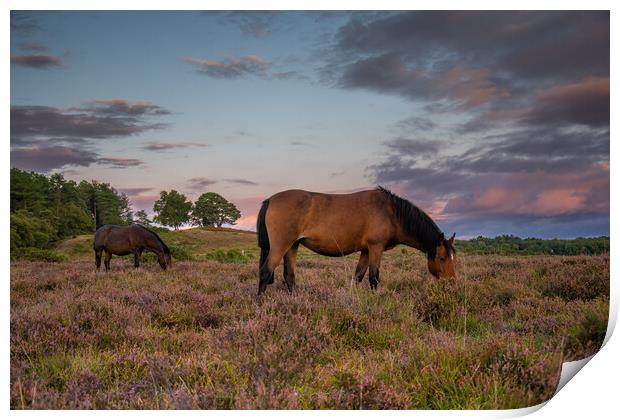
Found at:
[95, 120]
[464, 60]
[66, 135]
[44, 159]
[583, 102]
[37, 61]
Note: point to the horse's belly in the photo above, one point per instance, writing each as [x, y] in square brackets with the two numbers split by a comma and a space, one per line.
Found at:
[330, 247]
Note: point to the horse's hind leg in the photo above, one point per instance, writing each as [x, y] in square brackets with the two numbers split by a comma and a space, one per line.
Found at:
[374, 260]
[362, 266]
[108, 257]
[276, 253]
[98, 253]
[290, 260]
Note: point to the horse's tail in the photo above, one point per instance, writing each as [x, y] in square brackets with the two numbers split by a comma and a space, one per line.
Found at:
[261, 230]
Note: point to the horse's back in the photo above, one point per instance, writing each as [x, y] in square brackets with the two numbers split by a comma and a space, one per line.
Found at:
[113, 238]
[332, 224]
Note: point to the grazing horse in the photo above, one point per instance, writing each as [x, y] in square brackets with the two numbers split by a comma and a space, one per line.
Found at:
[125, 240]
[339, 224]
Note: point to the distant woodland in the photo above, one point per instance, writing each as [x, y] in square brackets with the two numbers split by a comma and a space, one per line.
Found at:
[45, 209]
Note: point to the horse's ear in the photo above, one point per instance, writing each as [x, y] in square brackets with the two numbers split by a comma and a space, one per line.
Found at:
[451, 240]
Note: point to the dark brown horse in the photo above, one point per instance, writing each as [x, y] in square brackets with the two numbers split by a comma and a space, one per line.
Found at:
[340, 224]
[125, 240]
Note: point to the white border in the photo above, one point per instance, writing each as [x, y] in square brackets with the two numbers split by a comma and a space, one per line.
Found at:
[592, 394]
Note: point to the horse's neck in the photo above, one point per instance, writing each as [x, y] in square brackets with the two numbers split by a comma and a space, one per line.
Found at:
[412, 241]
[153, 249]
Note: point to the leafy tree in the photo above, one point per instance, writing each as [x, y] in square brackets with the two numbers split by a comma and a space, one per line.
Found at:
[28, 230]
[211, 209]
[141, 217]
[45, 209]
[105, 204]
[172, 209]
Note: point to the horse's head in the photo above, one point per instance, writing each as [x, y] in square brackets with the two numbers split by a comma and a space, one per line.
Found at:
[165, 259]
[443, 264]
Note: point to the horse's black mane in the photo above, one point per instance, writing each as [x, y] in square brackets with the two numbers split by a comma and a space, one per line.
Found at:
[418, 224]
[166, 249]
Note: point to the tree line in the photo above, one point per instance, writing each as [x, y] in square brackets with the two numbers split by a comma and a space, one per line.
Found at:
[45, 209]
[514, 245]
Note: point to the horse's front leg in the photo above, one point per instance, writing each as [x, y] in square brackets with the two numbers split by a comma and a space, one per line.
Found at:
[136, 258]
[98, 258]
[374, 261]
[362, 266]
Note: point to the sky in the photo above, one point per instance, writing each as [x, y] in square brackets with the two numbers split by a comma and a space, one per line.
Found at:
[492, 122]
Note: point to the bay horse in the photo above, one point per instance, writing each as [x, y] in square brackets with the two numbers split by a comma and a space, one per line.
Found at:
[335, 225]
[125, 240]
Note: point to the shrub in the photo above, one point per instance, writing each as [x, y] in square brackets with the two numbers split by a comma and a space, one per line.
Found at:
[36, 254]
[180, 253]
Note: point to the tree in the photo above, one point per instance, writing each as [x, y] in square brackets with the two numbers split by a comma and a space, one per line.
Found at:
[211, 209]
[105, 204]
[172, 209]
[141, 217]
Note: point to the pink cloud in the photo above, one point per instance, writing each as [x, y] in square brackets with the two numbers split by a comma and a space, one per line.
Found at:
[472, 86]
[539, 194]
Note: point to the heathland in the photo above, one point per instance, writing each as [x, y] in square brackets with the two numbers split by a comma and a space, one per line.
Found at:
[197, 336]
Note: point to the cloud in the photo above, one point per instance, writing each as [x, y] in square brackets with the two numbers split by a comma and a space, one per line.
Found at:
[416, 123]
[241, 181]
[257, 24]
[418, 147]
[95, 120]
[468, 59]
[199, 183]
[122, 108]
[44, 159]
[157, 146]
[230, 68]
[45, 138]
[534, 172]
[292, 75]
[584, 102]
[135, 191]
[37, 61]
[33, 46]
[115, 162]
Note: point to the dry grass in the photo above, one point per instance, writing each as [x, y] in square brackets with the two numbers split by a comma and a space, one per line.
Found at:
[197, 336]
